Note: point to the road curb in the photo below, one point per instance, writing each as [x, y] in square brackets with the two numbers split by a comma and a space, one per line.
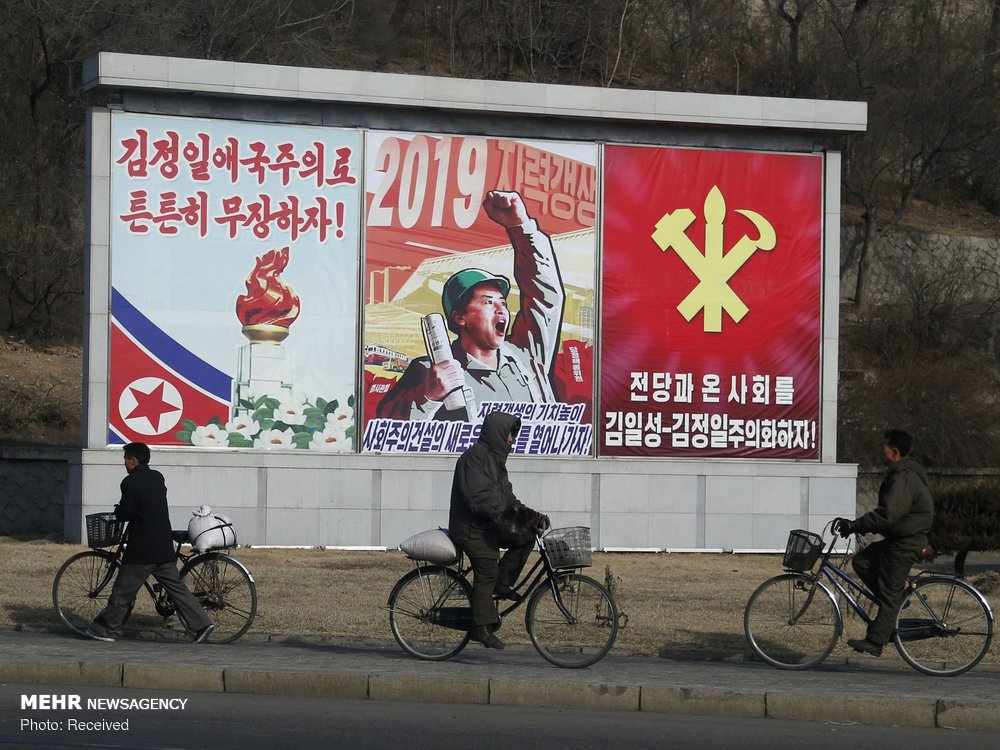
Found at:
[853, 709]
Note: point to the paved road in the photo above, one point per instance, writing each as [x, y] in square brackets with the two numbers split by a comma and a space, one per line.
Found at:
[863, 690]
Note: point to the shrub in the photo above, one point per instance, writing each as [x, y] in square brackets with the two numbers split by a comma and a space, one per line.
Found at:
[966, 518]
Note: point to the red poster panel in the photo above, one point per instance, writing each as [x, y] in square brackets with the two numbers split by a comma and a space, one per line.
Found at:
[479, 295]
[711, 306]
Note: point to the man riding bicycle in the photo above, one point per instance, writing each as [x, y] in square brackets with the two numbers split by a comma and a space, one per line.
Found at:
[904, 515]
[482, 500]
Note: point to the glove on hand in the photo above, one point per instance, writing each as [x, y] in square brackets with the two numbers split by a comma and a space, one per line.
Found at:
[844, 527]
[543, 524]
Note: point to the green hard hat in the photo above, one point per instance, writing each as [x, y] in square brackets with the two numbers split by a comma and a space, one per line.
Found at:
[457, 288]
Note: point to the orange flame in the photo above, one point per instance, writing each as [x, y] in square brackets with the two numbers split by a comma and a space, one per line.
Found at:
[268, 301]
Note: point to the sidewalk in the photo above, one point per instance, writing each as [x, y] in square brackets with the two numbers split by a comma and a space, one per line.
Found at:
[870, 691]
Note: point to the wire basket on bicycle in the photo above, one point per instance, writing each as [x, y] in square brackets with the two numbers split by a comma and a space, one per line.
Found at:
[104, 530]
[802, 551]
[568, 547]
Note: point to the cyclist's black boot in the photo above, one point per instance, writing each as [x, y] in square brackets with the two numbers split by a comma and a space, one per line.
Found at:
[482, 634]
[864, 646]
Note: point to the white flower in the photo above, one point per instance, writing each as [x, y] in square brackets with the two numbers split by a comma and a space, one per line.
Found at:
[290, 413]
[274, 439]
[210, 436]
[244, 425]
[341, 418]
[329, 439]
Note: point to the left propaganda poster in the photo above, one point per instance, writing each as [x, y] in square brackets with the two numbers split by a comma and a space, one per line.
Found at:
[234, 262]
[479, 291]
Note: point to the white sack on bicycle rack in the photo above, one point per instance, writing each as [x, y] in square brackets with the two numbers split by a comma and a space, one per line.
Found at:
[433, 546]
[207, 530]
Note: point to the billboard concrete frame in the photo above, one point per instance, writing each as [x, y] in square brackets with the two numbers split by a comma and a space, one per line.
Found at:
[369, 500]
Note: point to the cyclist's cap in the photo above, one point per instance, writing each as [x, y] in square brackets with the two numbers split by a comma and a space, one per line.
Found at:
[460, 286]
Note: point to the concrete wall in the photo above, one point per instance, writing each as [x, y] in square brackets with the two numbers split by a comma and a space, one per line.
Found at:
[369, 500]
[378, 500]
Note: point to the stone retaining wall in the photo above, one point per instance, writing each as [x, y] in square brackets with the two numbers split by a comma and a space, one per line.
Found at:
[33, 488]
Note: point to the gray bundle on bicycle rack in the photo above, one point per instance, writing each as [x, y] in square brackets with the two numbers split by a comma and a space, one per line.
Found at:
[433, 546]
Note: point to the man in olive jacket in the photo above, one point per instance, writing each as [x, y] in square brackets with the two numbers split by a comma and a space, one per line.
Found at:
[480, 493]
[148, 552]
[904, 515]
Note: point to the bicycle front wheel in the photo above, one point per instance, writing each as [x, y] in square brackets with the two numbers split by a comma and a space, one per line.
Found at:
[226, 590]
[572, 620]
[944, 628]
[430, 613]
[82, 586]
[792, 621]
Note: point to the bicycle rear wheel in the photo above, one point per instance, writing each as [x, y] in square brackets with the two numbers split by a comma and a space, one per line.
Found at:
[572, 620]
[430, 613]
[944, 628]
[792, 621]
[226, 590]
[82, 586]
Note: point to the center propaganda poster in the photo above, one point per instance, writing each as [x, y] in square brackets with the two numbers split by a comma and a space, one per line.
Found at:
[711, 303]
[479, 291]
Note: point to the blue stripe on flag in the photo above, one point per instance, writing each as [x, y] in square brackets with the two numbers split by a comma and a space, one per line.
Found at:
[189, 366]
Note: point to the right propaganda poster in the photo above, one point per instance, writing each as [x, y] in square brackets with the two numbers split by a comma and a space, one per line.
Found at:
[711, 303]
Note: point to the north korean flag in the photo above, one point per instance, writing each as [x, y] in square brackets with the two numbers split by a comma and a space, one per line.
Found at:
[155, 382]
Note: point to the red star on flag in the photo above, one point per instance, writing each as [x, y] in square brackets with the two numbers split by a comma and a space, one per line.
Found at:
[150, 405]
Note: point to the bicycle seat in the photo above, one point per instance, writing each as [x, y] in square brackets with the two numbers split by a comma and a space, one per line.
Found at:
[927, 552]
[180, 535]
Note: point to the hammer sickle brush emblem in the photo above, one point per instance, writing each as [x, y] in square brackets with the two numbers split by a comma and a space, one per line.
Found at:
[713, 268]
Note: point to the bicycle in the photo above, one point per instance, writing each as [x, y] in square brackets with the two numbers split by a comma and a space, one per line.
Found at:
[794, 620]
[222, 584]
[572, 619]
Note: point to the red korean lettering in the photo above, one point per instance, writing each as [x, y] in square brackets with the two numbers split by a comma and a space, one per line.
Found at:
[258, 161]
[136, 156]
[195, 153]
[285, 161]
[166, 152]
[227, 157]
[138, 212]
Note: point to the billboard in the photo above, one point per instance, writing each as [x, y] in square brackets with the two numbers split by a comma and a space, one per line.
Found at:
[234, 264]
[711, 303]
[480, 257]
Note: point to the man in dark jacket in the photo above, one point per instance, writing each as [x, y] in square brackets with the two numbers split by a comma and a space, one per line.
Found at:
[148, 552]
[904, 515]
[480, 493]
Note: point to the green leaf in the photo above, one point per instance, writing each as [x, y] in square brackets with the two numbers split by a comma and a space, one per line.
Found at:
[217, 422]
[350, 401]
[239, 440]
[184, 435]
[189, 425]
[321, 403]
[302, 439]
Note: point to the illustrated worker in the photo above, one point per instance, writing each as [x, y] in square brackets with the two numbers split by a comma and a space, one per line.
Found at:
[148, 552]
[903, 516]
[494, 359]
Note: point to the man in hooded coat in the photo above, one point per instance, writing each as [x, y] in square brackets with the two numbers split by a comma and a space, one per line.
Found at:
[480, 493]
